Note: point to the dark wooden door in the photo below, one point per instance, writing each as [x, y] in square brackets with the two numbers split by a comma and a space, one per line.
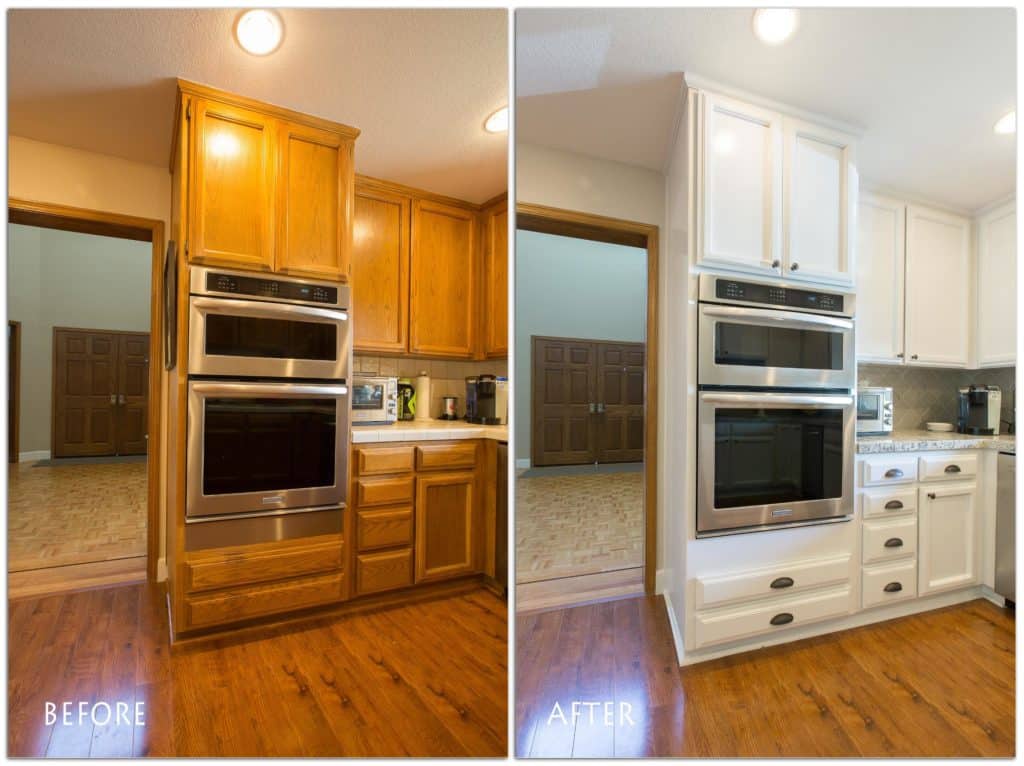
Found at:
[99, 391]
[620, 397]
[564, 401]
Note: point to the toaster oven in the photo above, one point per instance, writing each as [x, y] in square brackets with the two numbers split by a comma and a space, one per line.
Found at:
[874, 410]
[374, 400]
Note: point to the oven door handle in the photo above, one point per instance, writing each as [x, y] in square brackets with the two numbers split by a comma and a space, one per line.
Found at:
[266, 309]
[825, 400]
[281, 390]
[786, 318]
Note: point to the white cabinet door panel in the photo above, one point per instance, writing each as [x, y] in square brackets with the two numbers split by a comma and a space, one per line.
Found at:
[880, 247]
[948, 549]
[997, 288]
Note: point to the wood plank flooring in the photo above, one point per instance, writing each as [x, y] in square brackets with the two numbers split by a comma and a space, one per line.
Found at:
[939, 683]
[423, 679]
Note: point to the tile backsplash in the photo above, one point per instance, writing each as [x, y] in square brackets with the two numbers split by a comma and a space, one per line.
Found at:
[447, 378]
[924, 394]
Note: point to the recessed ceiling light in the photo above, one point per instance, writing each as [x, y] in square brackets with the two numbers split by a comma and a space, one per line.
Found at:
[1006, 124]
[497, 122]
[259, 31]
[774, 26]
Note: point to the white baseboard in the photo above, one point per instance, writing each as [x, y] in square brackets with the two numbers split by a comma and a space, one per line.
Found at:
[161, 570]
[28, 457]
[677, 635]
[522, 462]
[992, 596]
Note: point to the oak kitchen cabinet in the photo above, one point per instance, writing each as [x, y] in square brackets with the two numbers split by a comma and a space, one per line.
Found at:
[267, 189]
[997, 287]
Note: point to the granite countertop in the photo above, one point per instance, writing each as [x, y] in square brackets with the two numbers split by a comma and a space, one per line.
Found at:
[427, 430]
[918, 441]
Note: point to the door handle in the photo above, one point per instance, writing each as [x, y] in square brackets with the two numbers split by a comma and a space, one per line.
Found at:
[600, 408]
[120, 399]
[593, 408]
[113, 398]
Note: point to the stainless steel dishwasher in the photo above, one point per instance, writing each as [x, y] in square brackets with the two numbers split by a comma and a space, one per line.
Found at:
[1006, 485]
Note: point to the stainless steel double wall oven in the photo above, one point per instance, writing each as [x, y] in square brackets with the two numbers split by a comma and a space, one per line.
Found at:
[268, 407]
[776, 378]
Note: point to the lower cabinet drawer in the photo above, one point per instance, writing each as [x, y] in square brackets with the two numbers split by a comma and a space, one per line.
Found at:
[885, 583]
[889, 539]
[249, 565]
[779, 580]
[888, 469]
[888, 502]
[242, 603]
[376, 572]
[768, 617]
[948, 467]
[398, 489]
[383, 529]
[453, 455]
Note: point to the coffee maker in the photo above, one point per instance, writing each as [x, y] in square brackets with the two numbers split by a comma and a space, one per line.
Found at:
[482, 400]
[978, 409]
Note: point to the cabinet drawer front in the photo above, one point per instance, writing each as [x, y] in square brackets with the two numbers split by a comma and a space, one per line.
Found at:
[889, 502]
[890, 539]
[384, 460]
[247, 568]
[948, 467]
[384, 491]
[384, 529]
[376, 572]
[430, 457]
[889, 582]
[775, 581]
[769, 617]
[244, 603]
[889, 469]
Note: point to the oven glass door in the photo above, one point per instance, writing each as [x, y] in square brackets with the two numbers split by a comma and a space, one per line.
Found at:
[261, 339]
[769, 459]
[764, 347]
[262, 447]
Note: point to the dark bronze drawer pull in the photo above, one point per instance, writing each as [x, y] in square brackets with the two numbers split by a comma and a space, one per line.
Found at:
[893, 587]
[782, 582]
[894, 542]
[893, 505]
[894, 473]
[783, 618]
[952, 468]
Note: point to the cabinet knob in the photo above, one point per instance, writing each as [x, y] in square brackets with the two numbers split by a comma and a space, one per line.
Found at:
[931, 495]
[900, 355]
[794, 266]
[913, 356]
[775, 263]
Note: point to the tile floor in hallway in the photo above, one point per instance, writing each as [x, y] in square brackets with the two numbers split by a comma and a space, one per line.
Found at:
[568, 525]
[75, 514]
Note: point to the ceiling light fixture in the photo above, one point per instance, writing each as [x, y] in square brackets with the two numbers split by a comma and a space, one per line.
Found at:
[1006, 124]
[773, 26]
[259, 31]
[498, 121]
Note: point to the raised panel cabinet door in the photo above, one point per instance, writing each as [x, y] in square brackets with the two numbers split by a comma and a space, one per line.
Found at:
[880, 246]
[740, 198]
[231, 186]
[937, 288]
[495, 308]
[132, 394]
[314, 204]
[85, 393]
[442, 280]
[380, 271]
[948, 550]
[819, 193]
[445, 525]
[997, 288]
[620, 393]
[564, 402]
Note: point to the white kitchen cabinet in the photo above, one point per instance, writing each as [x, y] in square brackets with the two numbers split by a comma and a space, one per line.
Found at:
[741, 168]
[948, 545]
[997, 288]
[880, 246]
[819, 198]
[937, 288]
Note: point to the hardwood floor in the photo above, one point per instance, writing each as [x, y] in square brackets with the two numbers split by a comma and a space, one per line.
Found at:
[423, 679]
[935, 684]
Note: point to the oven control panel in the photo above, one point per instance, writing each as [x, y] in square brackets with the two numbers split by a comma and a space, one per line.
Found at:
[264, 287]
[775, 295]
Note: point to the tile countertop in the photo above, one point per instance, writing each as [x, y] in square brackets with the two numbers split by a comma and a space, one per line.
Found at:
[918, 441]
[427, 430]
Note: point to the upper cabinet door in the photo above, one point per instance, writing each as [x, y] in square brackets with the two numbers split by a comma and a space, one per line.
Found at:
[741, 159]
[442, 280]
[314, 208]
[820, 191]
[380, 271]
[495, 268]
[997, 288]
[938, 276]
[880, 246]
[231, 195]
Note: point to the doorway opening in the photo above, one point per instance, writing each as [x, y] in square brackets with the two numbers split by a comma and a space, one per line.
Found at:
[585, 430]
[83, 476]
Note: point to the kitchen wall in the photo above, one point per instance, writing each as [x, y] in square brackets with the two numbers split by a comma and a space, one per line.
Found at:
[572, 288]
[65, 279]
[924, 394]
[447, 378]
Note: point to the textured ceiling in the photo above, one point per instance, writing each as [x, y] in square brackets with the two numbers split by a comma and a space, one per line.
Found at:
[417, 83]
[925, 85]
